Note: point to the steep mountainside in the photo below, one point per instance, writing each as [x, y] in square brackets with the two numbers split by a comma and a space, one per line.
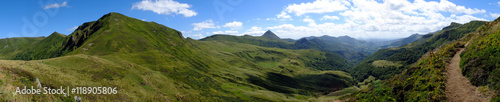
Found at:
[147, 61]
[385, 63]
[481, 59]
[425, 80]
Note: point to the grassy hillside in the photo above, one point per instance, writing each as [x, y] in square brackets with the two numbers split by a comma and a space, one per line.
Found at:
[254, 40]
[347, 47]
[43, 49]
[10, 47]
[333, 58]
[151, 62]
[425, 81]
[410, 53]
[481, 59]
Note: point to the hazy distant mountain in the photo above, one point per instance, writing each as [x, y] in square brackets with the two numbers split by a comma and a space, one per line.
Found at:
[403, 41]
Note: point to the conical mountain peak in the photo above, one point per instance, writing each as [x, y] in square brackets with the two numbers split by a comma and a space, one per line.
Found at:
[270, 34]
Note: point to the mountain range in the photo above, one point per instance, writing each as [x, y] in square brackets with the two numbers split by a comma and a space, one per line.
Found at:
[147, 61]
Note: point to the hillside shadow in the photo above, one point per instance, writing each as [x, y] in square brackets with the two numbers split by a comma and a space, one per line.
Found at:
[301, 84]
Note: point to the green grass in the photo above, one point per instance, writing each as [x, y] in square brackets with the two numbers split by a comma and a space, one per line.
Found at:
[151, 62]
[423, 82]
[43, 49]
[349, 48]
[385, 63]
[10, 47]
[480, 61]
[412, 52]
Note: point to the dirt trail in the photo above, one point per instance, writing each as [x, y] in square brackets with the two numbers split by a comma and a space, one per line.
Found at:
[458, 88]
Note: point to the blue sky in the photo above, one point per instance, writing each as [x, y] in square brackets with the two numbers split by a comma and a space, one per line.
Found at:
[287, 18]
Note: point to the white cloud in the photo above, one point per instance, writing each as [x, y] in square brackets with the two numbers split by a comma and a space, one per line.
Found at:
[267, 19]
[445, 6]
[309, 20]
[165, 7]
[56, 5]
[74, 28]
[318, 6]
[465, 18]
[226, 32]
[283, 15]
[256, 31]
[378, 19]
[205, 24]
[498, 3]
[198, 36]
[494, 15]
[233, 25]
[326, 17]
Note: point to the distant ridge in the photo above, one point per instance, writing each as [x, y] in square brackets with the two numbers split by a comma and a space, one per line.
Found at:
[271, 35]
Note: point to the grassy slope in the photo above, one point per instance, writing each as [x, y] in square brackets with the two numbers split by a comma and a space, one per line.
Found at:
[43, 49]
[349, 48]
[425, 81]
[334, 61]
[151, 62]
[480, 61]
[410, 53]
[260, 41]
[10, 47]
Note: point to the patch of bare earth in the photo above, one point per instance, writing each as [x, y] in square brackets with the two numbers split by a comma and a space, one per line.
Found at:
[458, 88]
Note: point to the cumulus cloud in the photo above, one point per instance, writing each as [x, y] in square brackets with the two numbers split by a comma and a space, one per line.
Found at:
[226, 32]
[326, 17]
[197, 36]
[283, 15]
[255, 31]
[310, 21]
[494, 15]
[205, 24]
[318, 6]
[233, 25]
[166, 7]
[73, 28]
[56, 5]
[377, 19]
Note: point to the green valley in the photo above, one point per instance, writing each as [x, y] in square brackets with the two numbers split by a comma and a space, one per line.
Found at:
[148, 61]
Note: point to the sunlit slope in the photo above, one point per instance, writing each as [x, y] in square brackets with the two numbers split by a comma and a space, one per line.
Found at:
[410, 53]
[151, 62]
[49, 47]
[10, 47]
[481, 59]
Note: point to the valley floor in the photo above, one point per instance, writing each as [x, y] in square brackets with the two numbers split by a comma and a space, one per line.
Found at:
[458, 88]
